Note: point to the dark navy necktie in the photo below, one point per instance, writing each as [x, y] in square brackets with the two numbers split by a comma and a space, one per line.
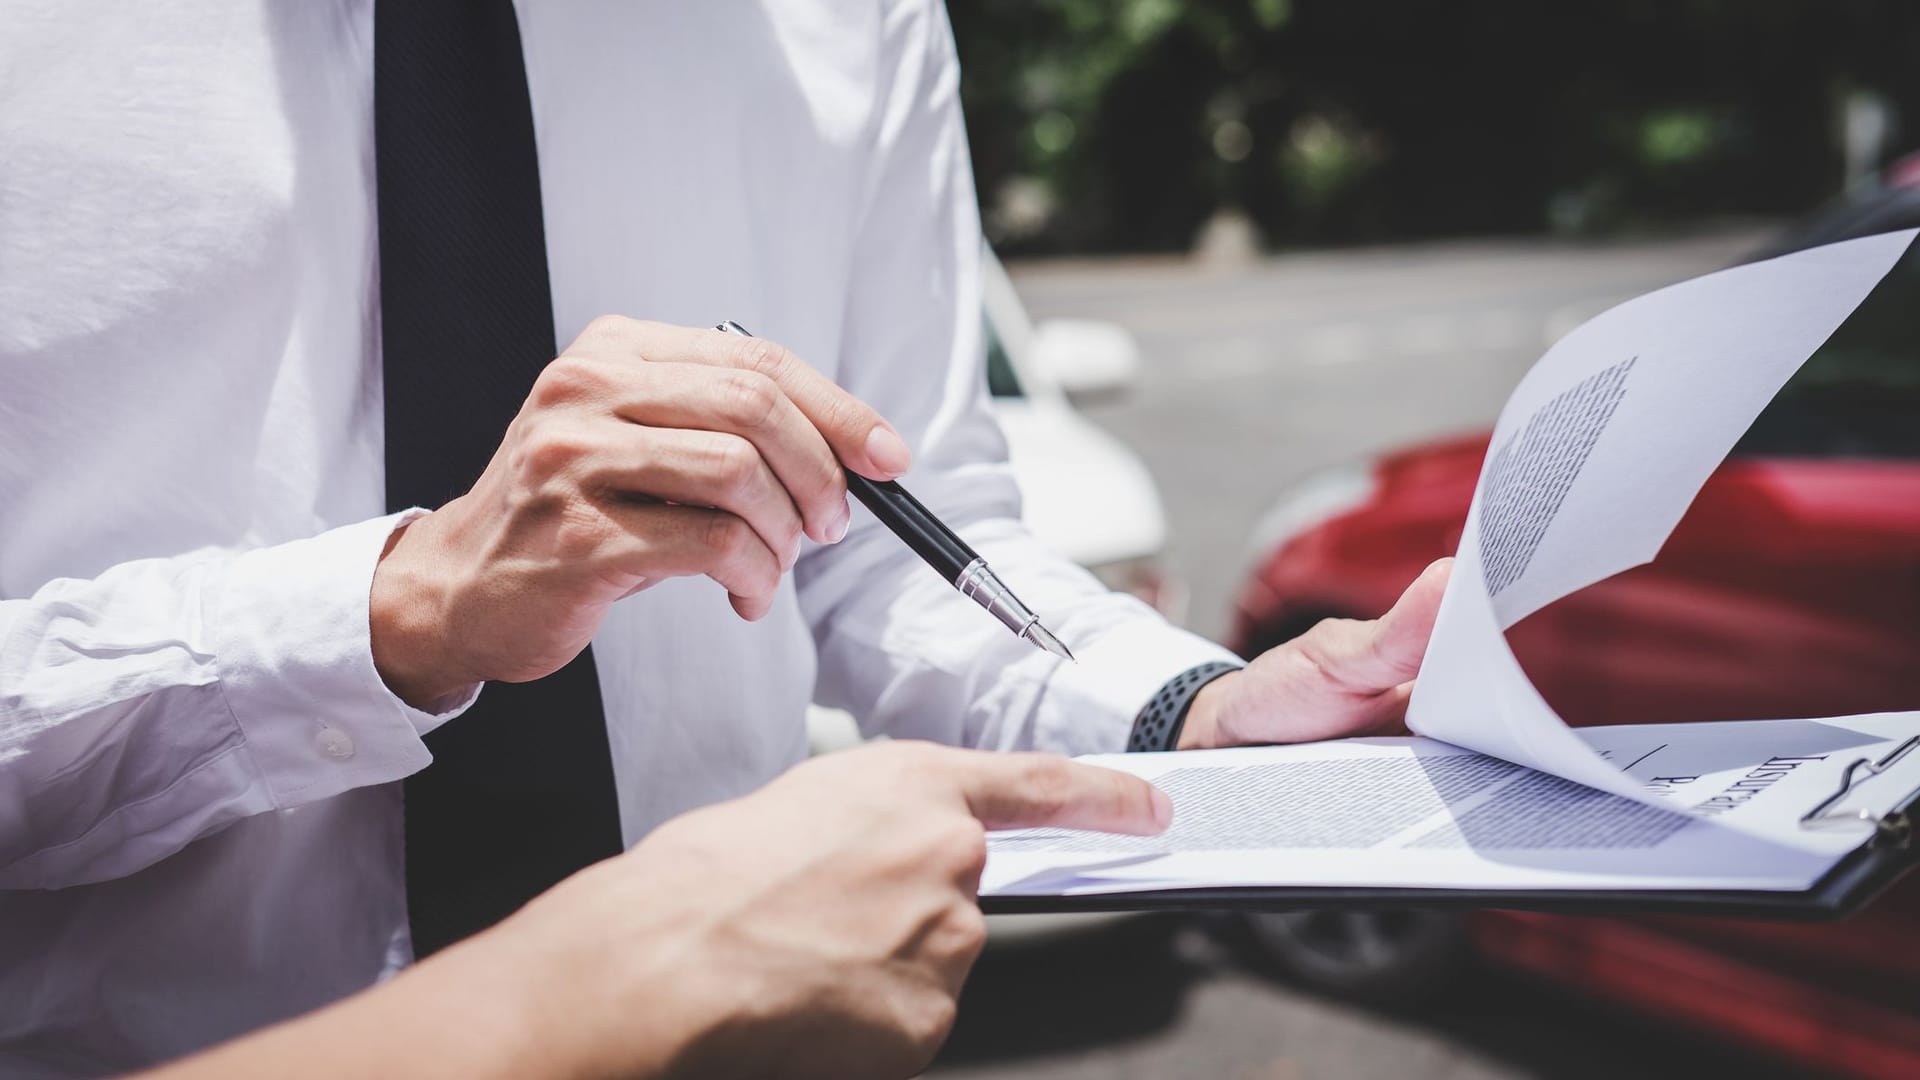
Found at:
[520, 793]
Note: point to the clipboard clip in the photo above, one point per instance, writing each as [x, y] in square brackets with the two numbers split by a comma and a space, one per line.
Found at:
[1891, 830]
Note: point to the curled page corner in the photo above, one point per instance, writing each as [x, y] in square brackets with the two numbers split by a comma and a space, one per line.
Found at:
[1595, 458]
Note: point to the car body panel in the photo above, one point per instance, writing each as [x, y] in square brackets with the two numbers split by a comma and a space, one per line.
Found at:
[1084, 493]
[1683, 970]
[1791, 588]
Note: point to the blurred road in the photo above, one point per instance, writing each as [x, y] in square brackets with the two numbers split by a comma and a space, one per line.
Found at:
[1156, 998]
[1255, 376]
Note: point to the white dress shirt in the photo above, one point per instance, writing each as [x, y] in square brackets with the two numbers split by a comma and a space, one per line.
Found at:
[199, 814]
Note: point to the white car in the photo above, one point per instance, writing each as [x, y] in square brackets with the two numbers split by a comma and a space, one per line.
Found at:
[1086, 495]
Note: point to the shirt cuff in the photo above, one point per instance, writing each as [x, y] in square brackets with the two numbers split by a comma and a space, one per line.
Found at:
[1092, 704]
[291, 631]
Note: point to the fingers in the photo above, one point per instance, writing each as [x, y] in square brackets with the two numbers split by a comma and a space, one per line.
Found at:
[1400, 636]
[1012, 791]
[1386, 713]
[859, 437]
[755, 408]
[700, 468]
[656, 541]
[1410, 621]
[1371, 657]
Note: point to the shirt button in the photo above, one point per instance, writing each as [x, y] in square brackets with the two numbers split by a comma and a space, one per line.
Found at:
[334, 743]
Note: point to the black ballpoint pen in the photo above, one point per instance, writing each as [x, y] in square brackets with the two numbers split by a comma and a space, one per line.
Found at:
[942, 549]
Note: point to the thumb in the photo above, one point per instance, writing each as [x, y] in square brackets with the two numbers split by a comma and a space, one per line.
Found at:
[1013, 791]
[1401, 636]
[1369, 657]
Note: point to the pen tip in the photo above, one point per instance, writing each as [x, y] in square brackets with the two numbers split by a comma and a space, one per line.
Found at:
[1044, 638]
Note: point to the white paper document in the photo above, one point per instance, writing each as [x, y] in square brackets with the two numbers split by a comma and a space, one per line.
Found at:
[1418, 813]
[1594, 459]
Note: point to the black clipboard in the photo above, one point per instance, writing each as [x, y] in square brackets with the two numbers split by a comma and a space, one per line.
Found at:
[1881, 859]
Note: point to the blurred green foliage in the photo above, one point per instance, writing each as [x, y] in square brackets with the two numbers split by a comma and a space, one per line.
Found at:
[1124, 124]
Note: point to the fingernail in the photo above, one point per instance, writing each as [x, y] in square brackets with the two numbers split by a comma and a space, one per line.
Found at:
[837, 531]
[793, 553]
[1162, 809]
[887, 452]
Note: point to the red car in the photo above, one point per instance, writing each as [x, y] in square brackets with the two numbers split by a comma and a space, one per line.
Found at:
[1791, 589]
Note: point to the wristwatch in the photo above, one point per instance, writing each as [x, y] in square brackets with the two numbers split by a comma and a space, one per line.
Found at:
[1158, 725]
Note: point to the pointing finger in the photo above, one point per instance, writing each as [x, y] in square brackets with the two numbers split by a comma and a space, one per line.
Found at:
[1012, 791]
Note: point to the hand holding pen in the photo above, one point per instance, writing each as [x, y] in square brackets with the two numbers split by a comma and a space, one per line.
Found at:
[643, 452]
[943, 550]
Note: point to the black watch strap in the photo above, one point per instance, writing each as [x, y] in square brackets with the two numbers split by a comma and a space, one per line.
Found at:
[1158, 725]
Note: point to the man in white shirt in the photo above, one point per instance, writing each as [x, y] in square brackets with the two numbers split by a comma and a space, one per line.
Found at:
[200, 808]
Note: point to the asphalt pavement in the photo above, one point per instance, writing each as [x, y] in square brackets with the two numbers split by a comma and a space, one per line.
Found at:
[1255, 376]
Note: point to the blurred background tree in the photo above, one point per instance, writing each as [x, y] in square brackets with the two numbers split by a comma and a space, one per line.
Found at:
[1104, 125]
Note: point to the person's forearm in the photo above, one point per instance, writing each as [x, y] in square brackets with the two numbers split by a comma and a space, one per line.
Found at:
[449, 1020]
[505, 1005]
[166, 697]
[819, 927]
[472, 1013]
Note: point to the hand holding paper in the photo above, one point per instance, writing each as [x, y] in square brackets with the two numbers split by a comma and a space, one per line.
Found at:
[1342, 678]
[1595, 458]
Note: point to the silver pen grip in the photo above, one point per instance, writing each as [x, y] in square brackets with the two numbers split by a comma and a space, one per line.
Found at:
[978, 584]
